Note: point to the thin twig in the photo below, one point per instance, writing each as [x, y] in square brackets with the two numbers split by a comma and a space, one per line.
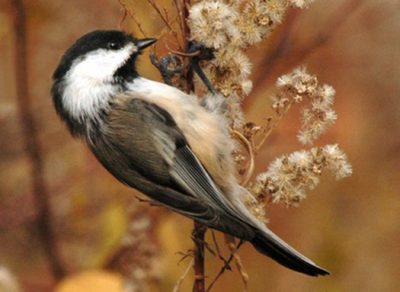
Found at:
[246, 143]
[224, 267]
[182, 278]
[32, 147]
[218, 249]
[183, 54]
[272, 124]
[122, 19]
[180, 14]
[151, 203]
[128, 11]
[164, 18]
[230, 240]
[184, 255]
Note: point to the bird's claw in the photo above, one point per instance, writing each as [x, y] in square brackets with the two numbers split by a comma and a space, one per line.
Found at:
[169, 66]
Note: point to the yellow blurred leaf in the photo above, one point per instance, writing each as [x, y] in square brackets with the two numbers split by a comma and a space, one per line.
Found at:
[92, 281]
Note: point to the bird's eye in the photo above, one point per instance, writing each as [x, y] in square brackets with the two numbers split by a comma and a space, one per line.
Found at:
[113, 46]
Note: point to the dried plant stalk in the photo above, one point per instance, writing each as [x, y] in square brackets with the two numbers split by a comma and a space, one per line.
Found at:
[40, 192]
[128, 11]
[182, 278]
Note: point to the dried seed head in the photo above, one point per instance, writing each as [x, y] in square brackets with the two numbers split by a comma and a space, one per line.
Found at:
[298, 86]
[288, 177]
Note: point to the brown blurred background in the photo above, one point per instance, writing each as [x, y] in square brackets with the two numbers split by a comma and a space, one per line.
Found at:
[350, 226]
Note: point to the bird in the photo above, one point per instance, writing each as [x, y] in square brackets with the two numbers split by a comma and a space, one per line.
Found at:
[172, 146]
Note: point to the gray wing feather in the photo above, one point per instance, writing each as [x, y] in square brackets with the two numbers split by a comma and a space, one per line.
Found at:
[188, 172]
[198, 181]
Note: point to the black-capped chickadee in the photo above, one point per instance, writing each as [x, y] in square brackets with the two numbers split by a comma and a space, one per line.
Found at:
[159, 140]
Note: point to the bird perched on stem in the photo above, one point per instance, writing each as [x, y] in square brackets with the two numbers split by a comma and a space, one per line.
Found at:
[172, 146]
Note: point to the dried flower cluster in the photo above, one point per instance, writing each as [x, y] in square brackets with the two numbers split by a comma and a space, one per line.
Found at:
[234, 26]
[230, 27]
[299, 86]
[288, 177]
[237, 23]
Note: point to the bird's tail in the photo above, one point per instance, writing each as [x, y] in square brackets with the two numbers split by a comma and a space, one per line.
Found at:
[271, 245]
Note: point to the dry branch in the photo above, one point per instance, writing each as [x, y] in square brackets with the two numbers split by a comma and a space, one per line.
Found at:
[32, 147]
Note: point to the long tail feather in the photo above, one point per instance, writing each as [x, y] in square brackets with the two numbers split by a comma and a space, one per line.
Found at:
[272, 246]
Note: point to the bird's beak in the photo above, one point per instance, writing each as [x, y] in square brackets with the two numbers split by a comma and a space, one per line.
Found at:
[144, 43]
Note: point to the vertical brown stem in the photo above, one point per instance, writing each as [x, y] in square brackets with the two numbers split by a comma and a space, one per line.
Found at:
[30, 136]
[186, 38]
[199, 230]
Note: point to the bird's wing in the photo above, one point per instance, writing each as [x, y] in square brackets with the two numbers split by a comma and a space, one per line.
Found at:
[155, 148]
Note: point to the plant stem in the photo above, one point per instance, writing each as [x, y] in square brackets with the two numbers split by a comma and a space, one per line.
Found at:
[225, 266]
[186, 38]
[199, 232]
[32, 147]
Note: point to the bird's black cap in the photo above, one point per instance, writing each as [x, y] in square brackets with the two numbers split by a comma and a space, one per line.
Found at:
[107, 39]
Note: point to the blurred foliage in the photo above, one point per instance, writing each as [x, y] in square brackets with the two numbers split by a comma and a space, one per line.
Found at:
[350, 226]
[92, 281]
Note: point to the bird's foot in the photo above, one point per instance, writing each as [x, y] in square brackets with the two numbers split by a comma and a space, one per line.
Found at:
[170, 67]
[199, 52]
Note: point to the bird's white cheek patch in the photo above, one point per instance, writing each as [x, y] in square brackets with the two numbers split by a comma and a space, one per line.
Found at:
[100, 65]
[88, 85]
